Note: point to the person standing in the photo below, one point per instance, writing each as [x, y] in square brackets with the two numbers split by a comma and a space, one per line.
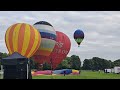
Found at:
[64, 73]
[99, 71]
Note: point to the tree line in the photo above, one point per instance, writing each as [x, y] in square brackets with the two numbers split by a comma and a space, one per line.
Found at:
[97, 63]
[74, 62]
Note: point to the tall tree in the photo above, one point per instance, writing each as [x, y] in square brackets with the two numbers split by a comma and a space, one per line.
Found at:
[87, 64]
[116, 62]
[75, 62]
[97, 64]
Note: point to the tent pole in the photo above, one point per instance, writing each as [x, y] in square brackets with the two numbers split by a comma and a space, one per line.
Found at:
[1, 71]
[27, 71]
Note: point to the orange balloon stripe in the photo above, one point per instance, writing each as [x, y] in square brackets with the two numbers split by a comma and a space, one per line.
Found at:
[39, 41]
[10, 38]
[32, 38]
[21, 37]
[6, 39]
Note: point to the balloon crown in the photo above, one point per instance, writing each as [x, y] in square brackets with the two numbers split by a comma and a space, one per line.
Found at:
[43, 22]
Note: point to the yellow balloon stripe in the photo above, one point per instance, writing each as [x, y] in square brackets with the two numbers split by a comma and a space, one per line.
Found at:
[35, 43]
[7, 40]
[39, 42]
[26, 39]
[15, 37]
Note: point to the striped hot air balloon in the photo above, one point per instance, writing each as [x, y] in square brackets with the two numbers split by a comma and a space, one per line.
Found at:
[48, 36]
[22, 38]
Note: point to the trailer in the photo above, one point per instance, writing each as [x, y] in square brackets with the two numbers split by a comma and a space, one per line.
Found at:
[117, 70]
[108, 70]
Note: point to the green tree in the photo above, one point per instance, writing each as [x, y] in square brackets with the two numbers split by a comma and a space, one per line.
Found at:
[87, 64]
[97, 64]
[75, 62]
[116, 62]
[4, 55]
[101, 64]
[46, 66]
[65, 64]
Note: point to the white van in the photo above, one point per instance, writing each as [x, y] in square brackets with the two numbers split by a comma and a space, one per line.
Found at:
[117, 70]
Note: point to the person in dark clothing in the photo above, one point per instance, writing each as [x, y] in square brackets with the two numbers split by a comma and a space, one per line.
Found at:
[104, 70]
[64, 73]
[30, 75]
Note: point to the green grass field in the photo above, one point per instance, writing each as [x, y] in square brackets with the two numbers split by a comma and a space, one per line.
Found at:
[83, 75]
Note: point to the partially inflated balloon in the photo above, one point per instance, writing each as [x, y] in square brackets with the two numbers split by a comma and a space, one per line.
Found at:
[61, 49]
[48, 36]
[59, 53]
[22, 38]
[78, 36]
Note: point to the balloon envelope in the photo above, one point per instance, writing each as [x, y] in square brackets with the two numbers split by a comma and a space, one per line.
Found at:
[22, 38]
[48, 36]
[78, 36]
[61, 49]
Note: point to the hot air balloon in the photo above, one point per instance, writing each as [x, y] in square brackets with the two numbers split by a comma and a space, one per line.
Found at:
[48, 40]
[78, 36]
[22, 38]
[61, 49]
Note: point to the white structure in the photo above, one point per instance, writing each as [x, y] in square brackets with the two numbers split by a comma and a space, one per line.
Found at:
[108, 70]
[1, 71]
[112, 70]
[116, 69]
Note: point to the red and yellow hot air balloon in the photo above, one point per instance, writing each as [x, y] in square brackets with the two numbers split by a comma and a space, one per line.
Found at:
[22, 38]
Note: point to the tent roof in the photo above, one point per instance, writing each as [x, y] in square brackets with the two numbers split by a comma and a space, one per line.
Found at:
[14, 59]
[15, 55]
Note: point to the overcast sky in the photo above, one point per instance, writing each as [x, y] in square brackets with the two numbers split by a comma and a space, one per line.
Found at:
[101, 29]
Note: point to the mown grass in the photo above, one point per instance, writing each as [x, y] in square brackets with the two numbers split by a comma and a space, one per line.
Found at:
[84, 75]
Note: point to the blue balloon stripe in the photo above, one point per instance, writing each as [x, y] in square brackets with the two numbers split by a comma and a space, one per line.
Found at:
[78, 34]
[48, 35]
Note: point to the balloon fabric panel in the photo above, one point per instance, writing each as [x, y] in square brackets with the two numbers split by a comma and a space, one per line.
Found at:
[60, 50]
[48, 36]
[22, 38]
